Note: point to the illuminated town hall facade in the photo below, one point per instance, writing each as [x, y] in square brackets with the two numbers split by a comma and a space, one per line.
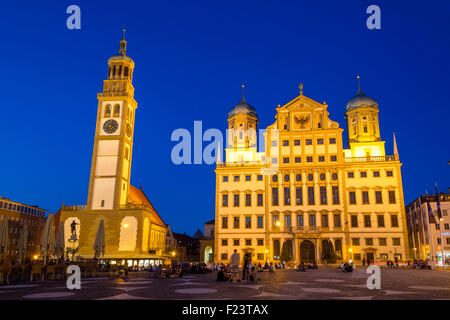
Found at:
[307, 192]
[134, 232]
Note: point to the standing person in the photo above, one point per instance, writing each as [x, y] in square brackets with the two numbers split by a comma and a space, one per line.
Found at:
[364, 263]
[235, 266]
[245, 270]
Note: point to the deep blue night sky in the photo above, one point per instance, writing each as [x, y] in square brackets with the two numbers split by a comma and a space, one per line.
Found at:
[191, 57]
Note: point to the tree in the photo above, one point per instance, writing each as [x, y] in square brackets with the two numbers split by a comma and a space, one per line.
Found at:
[286, 251]
[328, 253]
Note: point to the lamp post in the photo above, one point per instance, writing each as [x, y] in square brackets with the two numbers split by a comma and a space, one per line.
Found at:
[267, 258]
[350, 254]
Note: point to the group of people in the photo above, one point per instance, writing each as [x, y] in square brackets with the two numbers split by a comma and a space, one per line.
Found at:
[303, 267]
[421, 264]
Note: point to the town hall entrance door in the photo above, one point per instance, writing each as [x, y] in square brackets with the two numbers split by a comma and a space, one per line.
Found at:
[307, 252]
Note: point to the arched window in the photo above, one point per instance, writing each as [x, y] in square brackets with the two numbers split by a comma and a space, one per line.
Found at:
[116, 110]
[107, 111]
[275, 178]
[298, 177]
[120, 70]
[125, 72]
[114, 71]
[286, 178]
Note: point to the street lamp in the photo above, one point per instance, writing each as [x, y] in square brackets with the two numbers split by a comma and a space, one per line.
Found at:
[267, 259]
[350, 254]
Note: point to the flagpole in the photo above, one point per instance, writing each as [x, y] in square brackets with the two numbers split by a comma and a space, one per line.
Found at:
[430, 235]
[418, 232]
[412, 233]
[438, 206]
[423, 229]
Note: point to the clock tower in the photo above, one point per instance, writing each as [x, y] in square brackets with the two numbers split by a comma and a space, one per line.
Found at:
[109, 182]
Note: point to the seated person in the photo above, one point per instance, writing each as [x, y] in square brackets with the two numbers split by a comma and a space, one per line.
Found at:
[222, 276]
[301, 267]
[252, 275]
[347, 268]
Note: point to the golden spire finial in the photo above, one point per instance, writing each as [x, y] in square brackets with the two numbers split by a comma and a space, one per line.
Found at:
[300, 86]
[359, 84]
[123, 36]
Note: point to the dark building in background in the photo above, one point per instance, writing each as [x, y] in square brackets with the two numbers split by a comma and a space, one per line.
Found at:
[19, 215]
[187, 248]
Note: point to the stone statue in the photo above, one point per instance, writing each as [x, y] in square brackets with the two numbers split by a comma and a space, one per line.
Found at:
[73, 227]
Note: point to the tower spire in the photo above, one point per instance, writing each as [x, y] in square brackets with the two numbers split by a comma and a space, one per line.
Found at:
[243, 93]
[123, 44]
[395, 146]
[359, 85]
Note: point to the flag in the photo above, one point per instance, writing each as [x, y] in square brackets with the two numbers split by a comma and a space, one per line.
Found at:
[431, 217]
[415, 215]
[438, 203]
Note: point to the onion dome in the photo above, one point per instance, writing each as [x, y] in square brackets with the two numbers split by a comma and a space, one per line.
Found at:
[242, 107]
[361, 100]
[122, 55]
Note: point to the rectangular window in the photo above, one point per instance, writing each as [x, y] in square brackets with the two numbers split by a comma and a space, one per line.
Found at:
[394, 220]
[352, 197]
[259, 199]
[248, 200]
[248, 178]
[224, 223]
[248, 242]
[437, 226]
[365, 197]
[378, 197]
[446, 226]
[224, 200]
[298, 159]
[285, 159]
[335, 193]
[224, 256]
[363, 174]
[376, 174]
[308, 142]
[259, 177]
[369, 241]
[332, 140]
[312, 220]
[323, 195]
[391, 196]
[367, 221]
[309, 159]
[298, 196]
[285, 143]
[248, 222]
[355, 241]
[275, 218]
[382, 241]
[236, 178]
[260, 222]
[321, 159]
[319, 141]
[325, 221]
[274, 196]
[333, 158]
[354, 221]
[439, 240]
[296, 142]
[224, 242]
[236, 242]
[225, 179]
[396, 241]
[236, 200]
[380, 219]
[350, 174]
[337, 220]
[299, 220]
[260, 242]
[236, 223]
[287, 196]
[389, 173]
[311, 196]
[287, 221]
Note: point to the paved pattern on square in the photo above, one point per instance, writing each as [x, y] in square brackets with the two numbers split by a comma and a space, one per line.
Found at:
[329, 284]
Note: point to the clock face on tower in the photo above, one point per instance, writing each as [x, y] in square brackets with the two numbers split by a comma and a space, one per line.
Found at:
[129, 130]
[110, 126]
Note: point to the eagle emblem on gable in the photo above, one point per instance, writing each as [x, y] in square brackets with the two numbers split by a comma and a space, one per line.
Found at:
[302, 120]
